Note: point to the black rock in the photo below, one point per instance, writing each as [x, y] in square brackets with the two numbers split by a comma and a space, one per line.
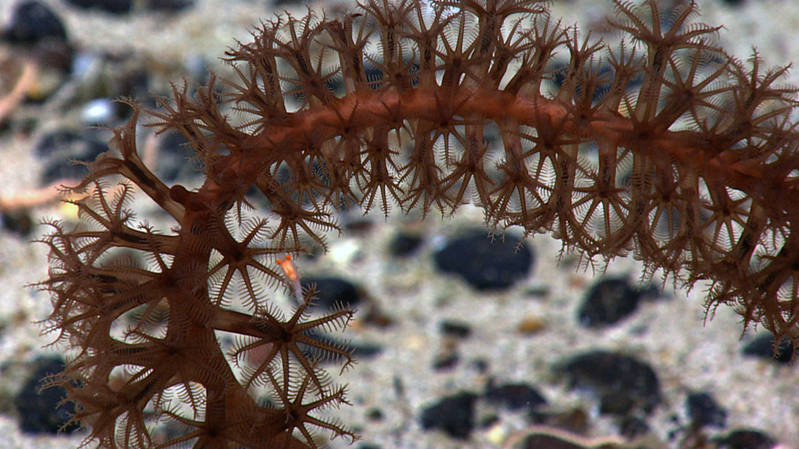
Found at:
[622, 383]
[480, 365]
[41, 411]
[762, 346]
[18, 221]
[607, 302]
[54, 142]
[703, 410]
[485, 263]
[454, 329]
[514, 396]
[358, 225]
[365, 350]
[374, 414]
[168, 5]
[446, 361]
[109, 6]
[452, 414]
[404, 244]
[745, 439]
[332, 292]
[33, 21]
[60, 148]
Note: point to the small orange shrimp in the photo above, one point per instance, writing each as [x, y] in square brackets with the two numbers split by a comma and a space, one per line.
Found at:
[290, 270]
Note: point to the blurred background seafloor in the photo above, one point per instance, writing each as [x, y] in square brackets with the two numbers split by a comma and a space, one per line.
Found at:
[461, 341]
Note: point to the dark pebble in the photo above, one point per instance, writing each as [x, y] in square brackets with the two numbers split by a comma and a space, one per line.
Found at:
[60, 148]
[17, 221]
[607, 302]
[358, 225]
[762, 346]
[454, 329]
[622, 383]
[446, 361]
[745, 439]
[480, 365]
[514, 396]
[32, 22]
[485, 263]
[332, 292]
[404, 244]
[364, 350]
[374, 414]
[108, 6]
[41, 411]
[452, 414]
[703, 410]
[168, 5]
[54, 142]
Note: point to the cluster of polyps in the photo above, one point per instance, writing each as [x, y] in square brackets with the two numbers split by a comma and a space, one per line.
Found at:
[661, 145]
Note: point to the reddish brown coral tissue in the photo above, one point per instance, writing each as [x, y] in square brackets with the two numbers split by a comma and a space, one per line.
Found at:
[659, 145]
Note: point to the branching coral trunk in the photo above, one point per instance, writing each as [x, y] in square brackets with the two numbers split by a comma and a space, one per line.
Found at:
[661, 146]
